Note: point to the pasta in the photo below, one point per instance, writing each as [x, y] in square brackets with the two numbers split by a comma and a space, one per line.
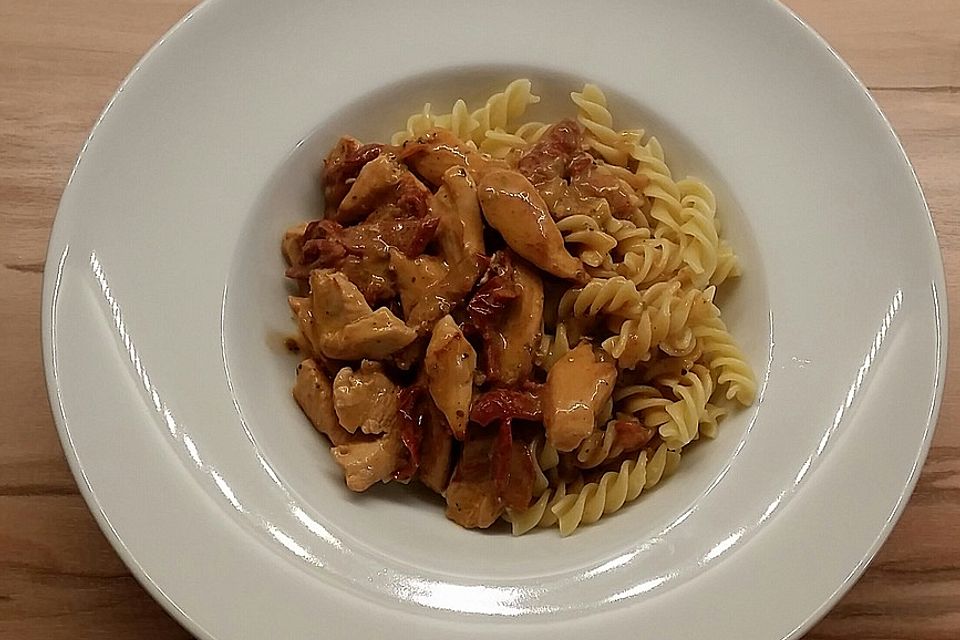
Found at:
[726, 361]
[614, 489]
[628, 236]
[593, 245]
[661, 190]
[593, 114]
[728, 265]
[553, 347]
[699, 212]
[495, 118]
[519, 315]
[615, 295]
[660, 321]
[693, 391]
[650, 261]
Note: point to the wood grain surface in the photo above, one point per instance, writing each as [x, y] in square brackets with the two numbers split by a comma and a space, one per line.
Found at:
[60, 60]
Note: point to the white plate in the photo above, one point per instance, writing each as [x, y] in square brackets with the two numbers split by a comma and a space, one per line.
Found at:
[164, 298]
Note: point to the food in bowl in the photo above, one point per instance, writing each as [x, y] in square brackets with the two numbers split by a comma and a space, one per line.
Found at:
[519, 315]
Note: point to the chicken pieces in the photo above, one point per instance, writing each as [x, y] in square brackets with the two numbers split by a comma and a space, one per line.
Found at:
[512, 206]
[365, 399]
[344, 325]
[450, 365]
[366, 462]
[437, 150]
[511, 357]
[314, 394]
[578, 386]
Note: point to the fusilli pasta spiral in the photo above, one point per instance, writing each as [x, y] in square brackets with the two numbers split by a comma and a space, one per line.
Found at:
[615, 295]
[650, 261]
[725, 359]
[601, 445]
[497, 115]
[661, 190]
[728, 265]
[614, 489]
[540, 514]
[663, 320]
[502, 109]
[693, 390]
[699, 212]
[593, 243]
[613, 146]
[553, 348]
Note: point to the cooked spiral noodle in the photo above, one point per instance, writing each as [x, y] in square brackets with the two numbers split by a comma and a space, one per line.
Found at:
[725, 359]
[638, 337]
[629, 237]
[615, 295]
[417, 124]
[531, 132]
[597, 448]
[593, 243]
[503, 108]
[631, 179]
[540, 513]
[667, 370]
[460, 122]
[553, 347]
[699, 212]
[663, 321]
[606, 269]
[639, 399]
[712, 415]
[661, 190]
[545, 458]
[603, 444]
[548, 457]
[614, 489]
[613, 146]
[650, 261]
[679, 305]
[728, 264]
[693, 391]
[498, 143]
[499, 112]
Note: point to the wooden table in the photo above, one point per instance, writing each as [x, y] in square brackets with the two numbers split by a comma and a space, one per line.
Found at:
[60, 60]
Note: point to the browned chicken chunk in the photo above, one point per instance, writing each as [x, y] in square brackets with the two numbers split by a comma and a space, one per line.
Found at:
[473, 495]
[366, 462]
[512, 206]
[460, 232]
[510, 355]
[549, 157]
[414, 276]
[342, 166]
[441, 297]
[314, 394]
[437, 150]
[292, 245]
[436, 449]
[450, 365]
[365, 399]
[578, 386]
[375, 183]
[344, 325]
